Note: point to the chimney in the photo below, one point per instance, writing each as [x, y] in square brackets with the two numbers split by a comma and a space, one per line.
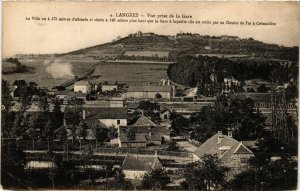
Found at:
[229, 133]
[220, 136]
[83, 114]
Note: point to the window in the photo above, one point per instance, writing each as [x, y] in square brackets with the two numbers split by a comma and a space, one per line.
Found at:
[118, 121]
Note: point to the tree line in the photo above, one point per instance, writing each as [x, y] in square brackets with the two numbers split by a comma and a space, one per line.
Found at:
[208, 73]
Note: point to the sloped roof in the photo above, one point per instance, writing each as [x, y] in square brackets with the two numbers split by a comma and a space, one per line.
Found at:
[106, 112]
[143, 121]
[227, 146]
[94, 113]
[141, 163]
[82, 83]
[143, 133]
[103, 112]
[164, 109]
[149, 89]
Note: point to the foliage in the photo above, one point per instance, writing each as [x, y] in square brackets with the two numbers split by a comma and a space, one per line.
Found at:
[173, 146]
[82, 130]
[6, 98]
[238, 116]
[12, 165]
[130, 134]
[120, 182]
[273, 175]
[150, 109]
[73, 118]
[112, 133]
[178, 122]
[100, 133]
[209, 73]
[156, 179]
[206, 174]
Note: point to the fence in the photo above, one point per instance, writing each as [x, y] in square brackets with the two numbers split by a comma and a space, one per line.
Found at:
[59, 147]
[121, 150]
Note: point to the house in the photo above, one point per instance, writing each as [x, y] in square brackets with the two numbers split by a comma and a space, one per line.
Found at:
[104, 116]
[143, 121]
[82, 86]
[109, 88]
[164, 114]
[231, 152]
[149, 92]
[143, 136]
[136, 166]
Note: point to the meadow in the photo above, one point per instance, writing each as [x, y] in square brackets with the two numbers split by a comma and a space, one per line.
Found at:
[129, 73]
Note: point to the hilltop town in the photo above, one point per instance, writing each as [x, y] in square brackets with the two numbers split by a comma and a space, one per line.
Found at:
[186, 112]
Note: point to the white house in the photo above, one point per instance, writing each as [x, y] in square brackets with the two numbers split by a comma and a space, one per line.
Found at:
[231, 152]
[104, 116]
[82, 86]
[110, 116]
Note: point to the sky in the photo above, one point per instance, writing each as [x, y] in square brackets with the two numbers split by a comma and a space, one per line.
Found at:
[21, 36]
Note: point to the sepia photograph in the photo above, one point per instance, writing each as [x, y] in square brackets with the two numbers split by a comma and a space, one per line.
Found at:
[149, 95]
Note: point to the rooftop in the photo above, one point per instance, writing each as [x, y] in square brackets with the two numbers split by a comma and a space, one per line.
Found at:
[143, 121]
[143, 133]
[227, 144]
[141, 163]
[82, 83]
[149, 88]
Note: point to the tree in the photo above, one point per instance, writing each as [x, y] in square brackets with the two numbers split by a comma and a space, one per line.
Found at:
[82, 132]
[112, 132]
[156, 179]
[178, 122]
[130, 134]
[100, 134]
[173, 146]
[12, 165]
[158, 95]
[6, 115]
[73, 118]
[273, 175]
[57, 116]
[6, 98]
[206, 173]
[120, 182]
[47, 133]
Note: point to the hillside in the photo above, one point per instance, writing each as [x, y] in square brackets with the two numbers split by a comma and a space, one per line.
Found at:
[149, 46]
[12, 65]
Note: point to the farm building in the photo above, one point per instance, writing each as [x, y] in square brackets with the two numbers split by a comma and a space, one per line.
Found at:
[104, 116]
[136, 166]
[231, 152]
[149, 92]
[143, 135]
[82, 86]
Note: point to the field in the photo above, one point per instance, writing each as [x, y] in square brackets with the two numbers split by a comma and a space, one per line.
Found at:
[129, 73]
[160, 54]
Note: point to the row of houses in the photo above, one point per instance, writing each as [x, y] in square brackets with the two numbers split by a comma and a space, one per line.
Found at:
[232, 153]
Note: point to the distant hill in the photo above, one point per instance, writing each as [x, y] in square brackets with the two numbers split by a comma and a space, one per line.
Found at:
[181, 43]
[12, 65]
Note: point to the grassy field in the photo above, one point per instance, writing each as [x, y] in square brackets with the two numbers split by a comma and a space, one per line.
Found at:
[129, 73]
